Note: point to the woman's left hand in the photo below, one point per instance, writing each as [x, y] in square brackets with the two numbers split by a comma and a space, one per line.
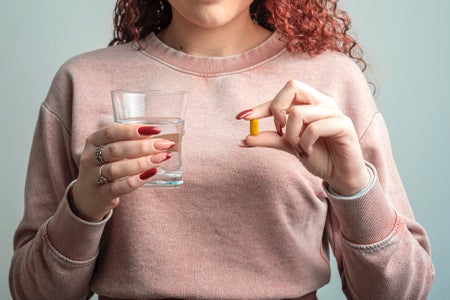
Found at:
[317, 132]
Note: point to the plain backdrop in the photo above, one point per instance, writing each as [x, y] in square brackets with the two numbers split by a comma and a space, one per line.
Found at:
[407, 45]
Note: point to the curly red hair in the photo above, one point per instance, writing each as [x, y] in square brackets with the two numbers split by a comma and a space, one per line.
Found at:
[310, 26]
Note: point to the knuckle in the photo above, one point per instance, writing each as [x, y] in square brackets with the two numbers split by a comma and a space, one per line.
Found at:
[109, 132]
[115, 190]
[295, 111]
[113, 150]
[112, 171]
[312, 129]
[278, 111]
[129, 132]
[130, 183]
[144, 146]
[84, 157]
[141, 164]
[89, 141]
[292, 83]
[123, 187]
[115, 202]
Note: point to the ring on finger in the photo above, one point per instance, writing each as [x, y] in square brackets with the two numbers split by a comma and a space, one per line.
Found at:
[102, 179]
[98, 154]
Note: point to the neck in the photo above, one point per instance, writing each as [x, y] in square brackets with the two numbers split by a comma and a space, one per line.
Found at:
[232, 38]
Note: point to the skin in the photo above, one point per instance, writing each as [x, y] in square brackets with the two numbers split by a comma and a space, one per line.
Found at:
[317, 132]
[308, 124]
[128, 154]
[212, 27]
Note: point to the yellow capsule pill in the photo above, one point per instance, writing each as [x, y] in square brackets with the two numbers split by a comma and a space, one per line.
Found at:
[254, 127]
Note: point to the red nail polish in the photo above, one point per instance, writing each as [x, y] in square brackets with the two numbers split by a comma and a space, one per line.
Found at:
[244, 113]
[148, 130]
[163, 144]
[168, 155]
[148, 174]
[160, 157]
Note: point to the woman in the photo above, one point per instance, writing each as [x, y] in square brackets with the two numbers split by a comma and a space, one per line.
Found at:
[250, 222]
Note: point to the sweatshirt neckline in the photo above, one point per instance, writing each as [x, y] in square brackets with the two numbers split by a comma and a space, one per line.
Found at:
[215, 65]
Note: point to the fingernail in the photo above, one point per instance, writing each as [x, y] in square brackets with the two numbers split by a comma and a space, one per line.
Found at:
[243, 114]
[278, 127]
[300, 152]
[148, 130]
[168, 155]
[148, 174]
[163, 144]
[160, 157]
[280, 131]
[243, 144]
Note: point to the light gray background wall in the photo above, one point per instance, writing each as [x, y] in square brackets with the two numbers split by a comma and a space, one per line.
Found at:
[407, 45]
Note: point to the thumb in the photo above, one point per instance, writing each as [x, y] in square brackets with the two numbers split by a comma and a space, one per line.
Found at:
[269, 139]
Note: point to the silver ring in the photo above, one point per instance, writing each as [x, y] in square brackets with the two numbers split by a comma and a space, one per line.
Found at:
[98, 154]
[102, 179]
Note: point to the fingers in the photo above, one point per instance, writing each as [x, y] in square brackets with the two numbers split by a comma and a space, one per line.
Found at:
[124, 141]
[126, 185]
[122, 132]
[337, 128]
[317, 132]
[294, 93]
[300, 120]
[305, 125]
[94, 202]
[99, 186]
[131, 167]
[117, 160]
[132, 149]
[126, 153]
[268, 139]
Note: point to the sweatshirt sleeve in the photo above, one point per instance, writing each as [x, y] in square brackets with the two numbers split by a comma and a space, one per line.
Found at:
[381, 250]
[54, 251]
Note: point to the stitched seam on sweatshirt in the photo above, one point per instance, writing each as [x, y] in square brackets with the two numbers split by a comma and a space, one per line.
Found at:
[57, 118]
[210, 75]
[59, 255]
[369, 125]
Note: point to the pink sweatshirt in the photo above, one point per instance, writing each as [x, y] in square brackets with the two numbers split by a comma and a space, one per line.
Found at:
[249, 223]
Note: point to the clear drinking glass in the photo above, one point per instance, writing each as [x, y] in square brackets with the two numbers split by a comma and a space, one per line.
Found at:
[163, 109]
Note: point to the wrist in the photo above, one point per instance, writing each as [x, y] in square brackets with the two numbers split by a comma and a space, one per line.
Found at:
[354, 185]
[76, 211]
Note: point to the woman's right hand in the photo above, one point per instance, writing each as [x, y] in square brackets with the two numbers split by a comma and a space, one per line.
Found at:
[130, 159]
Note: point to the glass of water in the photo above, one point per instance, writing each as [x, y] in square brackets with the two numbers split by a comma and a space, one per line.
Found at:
[160, 108]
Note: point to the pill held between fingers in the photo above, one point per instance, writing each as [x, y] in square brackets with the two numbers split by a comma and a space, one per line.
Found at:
[254, 127]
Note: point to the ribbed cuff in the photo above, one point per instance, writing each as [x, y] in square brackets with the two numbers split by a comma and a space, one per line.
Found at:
[365, 217]
[74, 238]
